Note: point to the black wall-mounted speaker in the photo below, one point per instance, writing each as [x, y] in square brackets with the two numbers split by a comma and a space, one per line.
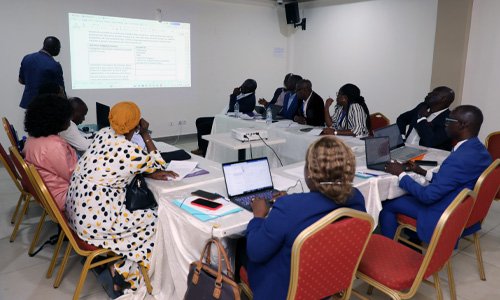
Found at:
[292, 13]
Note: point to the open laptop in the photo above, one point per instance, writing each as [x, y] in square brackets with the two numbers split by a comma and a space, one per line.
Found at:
[399, 151]
[377, 152]
[102, 115]
[248, 179]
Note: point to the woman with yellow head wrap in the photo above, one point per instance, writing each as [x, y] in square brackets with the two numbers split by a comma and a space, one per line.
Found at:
[95, 206]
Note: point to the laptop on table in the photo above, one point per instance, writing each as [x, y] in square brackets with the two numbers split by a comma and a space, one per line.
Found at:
[377, 152]
[248, 179]
[399, 151]
[102, 115]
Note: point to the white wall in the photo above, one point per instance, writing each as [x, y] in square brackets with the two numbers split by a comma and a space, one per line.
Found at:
[482, 70]
[230, 41]
[385, 47]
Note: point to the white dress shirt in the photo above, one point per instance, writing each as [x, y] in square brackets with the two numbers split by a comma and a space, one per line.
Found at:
[74, 137]
[413, 137]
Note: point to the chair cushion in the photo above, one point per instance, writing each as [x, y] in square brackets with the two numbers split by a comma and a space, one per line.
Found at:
[403, 219]
[81, 243]
[390, 263]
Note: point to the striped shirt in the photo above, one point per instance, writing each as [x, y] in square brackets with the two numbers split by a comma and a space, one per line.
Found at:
[355, 121]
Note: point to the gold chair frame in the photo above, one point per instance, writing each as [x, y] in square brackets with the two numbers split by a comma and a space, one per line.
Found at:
[462, 196]
[7, 128]
[43, 192]
[17, 182]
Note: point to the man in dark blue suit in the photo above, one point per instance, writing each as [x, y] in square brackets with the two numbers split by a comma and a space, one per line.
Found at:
[461, 169]
[425, 124]
[290, 102]
[244, 95]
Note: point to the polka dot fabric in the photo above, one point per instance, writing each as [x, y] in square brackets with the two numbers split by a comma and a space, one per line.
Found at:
[95, 206]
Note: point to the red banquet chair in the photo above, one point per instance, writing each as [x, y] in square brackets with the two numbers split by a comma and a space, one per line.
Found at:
[398, 270]
[378, 120]
[493, 145]
[486, 188]
[320, 269]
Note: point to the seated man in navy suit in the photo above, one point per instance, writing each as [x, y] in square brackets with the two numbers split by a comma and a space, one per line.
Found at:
[243, 95]
[290, 102]
[279, 94]
[461, 169]
[311, 105]
[424, 125]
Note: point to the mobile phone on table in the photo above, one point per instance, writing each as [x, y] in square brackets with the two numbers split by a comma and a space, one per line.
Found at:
[205, 194]
[426, 162]
[206, 204]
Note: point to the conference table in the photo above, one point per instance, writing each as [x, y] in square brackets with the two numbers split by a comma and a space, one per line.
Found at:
[181, 236]
[291, 151]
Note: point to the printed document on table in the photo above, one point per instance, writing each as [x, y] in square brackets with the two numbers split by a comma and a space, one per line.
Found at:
[181, 167]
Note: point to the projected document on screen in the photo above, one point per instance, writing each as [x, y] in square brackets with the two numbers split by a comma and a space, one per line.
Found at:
[111, 52]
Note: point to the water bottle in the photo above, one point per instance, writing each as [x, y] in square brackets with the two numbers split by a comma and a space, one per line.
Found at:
[269, 115]
[237, 109]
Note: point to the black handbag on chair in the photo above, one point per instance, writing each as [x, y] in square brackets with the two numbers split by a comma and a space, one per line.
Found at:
[207, 282]
[138, 195]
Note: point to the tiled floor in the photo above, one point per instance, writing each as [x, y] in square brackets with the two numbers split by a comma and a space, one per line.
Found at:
[23, 277]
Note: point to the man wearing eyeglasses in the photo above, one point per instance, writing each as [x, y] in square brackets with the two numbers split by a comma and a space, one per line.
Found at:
[424, 125]
[461, 169]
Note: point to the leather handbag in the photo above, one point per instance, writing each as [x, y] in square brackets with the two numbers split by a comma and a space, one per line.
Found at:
[208, 282]
[138, 195]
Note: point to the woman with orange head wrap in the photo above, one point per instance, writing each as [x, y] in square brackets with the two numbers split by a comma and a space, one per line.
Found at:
[96, 198]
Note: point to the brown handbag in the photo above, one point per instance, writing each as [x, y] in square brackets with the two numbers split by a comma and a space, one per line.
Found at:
[206, 282]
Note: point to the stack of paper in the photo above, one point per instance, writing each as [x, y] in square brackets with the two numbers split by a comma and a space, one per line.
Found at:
[181, 167]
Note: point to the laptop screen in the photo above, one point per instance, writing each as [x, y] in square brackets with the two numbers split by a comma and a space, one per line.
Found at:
[377, 150]
[102, 115]
[247, 176]
[392, 131]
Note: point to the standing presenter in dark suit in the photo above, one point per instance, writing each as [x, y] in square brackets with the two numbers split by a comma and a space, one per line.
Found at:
[40, 68]
[425, 124]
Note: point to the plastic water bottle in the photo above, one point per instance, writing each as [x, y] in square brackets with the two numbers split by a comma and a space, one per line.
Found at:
[269, 115]
[237, 109]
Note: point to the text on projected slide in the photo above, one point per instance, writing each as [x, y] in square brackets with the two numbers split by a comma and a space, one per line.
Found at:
[111, 52]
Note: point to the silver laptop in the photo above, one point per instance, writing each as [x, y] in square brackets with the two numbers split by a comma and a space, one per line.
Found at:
[399, 151]
[377, 152]
[248, 179]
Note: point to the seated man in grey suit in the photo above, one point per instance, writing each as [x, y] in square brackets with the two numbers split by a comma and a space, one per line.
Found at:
[425, 124]
[243, 95]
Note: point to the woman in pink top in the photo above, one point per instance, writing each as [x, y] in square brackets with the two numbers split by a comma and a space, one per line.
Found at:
[54, 158]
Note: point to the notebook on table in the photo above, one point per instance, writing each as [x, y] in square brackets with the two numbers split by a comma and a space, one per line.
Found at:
[248, 179]
[399, 151]
[377, 152]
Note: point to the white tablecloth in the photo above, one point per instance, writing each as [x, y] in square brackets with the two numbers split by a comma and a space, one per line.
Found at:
[292, 151]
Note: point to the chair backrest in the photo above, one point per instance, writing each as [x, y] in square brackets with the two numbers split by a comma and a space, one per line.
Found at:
[11, 133]
[486, 189]
[21, 167]
[11, 169]
[446, 234]
[326, 255]
[80, 247]
[493, 144]
[378, 120]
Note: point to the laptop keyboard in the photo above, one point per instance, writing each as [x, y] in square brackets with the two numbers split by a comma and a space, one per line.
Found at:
[406, 153]
[244, 201]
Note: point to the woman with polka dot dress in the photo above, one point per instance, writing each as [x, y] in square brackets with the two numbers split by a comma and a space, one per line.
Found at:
[95, 206]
